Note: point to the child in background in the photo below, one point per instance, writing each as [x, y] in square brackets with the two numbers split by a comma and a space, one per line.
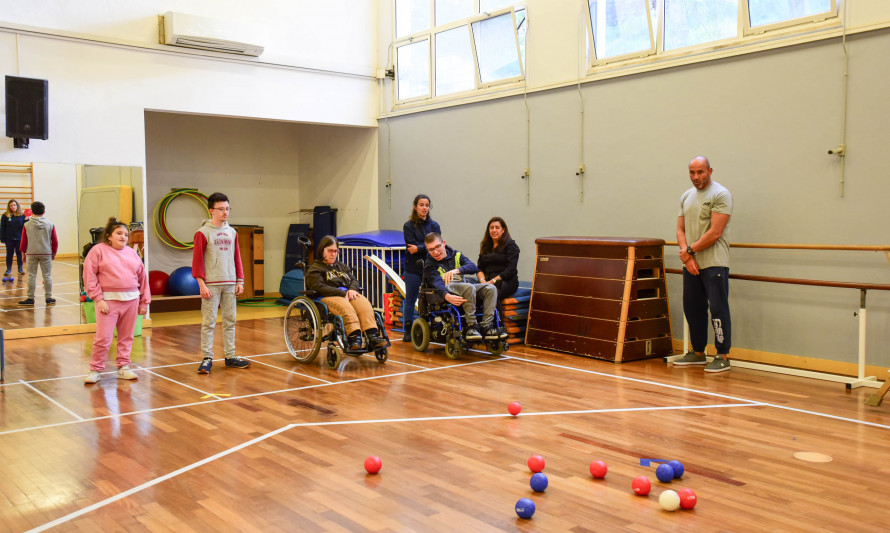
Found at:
[39, 244]
[116, 280]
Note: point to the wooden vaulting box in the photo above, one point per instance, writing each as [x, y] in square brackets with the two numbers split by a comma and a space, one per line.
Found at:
[601, 297]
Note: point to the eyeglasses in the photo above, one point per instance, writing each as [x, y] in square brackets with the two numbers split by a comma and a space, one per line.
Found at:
[334, 252]
[221, 208]
[434, 248]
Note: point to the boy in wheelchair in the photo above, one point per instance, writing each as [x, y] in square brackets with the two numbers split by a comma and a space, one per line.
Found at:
[338, 289]
[452, 276]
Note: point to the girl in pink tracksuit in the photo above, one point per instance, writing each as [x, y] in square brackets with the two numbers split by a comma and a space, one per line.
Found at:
[116, 280]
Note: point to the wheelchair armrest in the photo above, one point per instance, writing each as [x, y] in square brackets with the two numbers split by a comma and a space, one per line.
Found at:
[309, 294]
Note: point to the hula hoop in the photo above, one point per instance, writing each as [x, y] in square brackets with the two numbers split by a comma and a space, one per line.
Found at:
[160, 217]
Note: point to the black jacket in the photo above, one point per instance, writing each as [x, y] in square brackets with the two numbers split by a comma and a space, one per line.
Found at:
[11, 228]
[415, 235]
[330, 280]
[502, 261]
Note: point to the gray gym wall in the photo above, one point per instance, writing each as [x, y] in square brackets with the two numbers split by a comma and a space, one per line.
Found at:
[766, 120]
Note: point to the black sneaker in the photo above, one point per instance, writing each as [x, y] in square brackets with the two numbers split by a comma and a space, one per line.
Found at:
[406, 337]
[376, 341]
[204, 367]
[472, 333]
[237, 362]
[491, 333]
[50, 301]
[29, 301]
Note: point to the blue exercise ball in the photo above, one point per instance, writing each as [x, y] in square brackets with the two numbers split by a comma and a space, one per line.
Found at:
[181, 283]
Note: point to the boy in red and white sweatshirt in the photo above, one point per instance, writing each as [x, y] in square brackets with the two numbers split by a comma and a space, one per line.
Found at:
[39, 246]
[216, 264]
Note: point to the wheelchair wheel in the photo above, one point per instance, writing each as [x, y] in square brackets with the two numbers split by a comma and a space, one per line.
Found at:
[382, 355]
[420, 334]
[302, 332]
[497, 347]
[334, 356]
[453, 348]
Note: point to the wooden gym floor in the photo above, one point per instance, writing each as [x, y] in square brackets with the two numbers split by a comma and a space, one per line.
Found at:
[280, 446]
[66, 290]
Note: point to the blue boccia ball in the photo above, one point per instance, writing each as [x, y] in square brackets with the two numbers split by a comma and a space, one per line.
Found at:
[677, 466]
[539, 482]
[664, 473]
[525, 508]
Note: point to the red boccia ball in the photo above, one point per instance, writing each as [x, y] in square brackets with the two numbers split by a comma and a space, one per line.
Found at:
[641, 485]
[514, 407]
[687, 498]
[598, 469]
[373, 464]
[536, 463]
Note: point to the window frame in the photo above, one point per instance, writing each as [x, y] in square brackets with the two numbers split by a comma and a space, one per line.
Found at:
[593, 61]
[745, 36]
[430, 35]
[430, 74]
[747, 29]
[500, 12]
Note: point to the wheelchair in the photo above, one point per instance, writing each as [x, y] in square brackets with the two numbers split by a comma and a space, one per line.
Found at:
[308, 324]
[443, 322]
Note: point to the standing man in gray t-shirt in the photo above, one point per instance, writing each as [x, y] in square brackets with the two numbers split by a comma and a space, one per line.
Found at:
[702, 234]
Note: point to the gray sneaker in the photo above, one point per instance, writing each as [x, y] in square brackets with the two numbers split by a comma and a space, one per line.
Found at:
[691, 359]
[718, 364]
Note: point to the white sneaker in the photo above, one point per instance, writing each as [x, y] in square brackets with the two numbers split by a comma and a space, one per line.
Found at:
[91, 377]
[124, 372]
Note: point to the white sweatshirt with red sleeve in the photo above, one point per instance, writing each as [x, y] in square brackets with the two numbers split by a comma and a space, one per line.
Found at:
[216, 258]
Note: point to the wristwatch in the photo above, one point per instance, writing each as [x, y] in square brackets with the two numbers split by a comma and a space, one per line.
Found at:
[689, 250]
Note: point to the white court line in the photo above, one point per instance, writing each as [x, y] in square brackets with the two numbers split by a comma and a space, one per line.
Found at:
[202, 462]
[143, 368]
[134, 490]
[33, 307]
[38, 391]
[290, 371]
[180, 383]
[192, 404]
[707, 393]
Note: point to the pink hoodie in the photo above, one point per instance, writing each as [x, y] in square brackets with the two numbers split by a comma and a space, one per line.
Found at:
[108, 269]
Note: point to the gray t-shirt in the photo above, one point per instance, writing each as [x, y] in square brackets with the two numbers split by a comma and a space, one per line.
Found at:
[696, 207]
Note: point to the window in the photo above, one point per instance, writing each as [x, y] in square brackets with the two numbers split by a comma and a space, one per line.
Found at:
[451, 10]
[692, 22]
[619, 30]
[777, 13]
[622, 28]
[454, 62]
[412, 16]
[413, 67]
[497, 48]
[467, 45]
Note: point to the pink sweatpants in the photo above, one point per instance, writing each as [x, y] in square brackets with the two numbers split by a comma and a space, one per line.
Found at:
[120, 314]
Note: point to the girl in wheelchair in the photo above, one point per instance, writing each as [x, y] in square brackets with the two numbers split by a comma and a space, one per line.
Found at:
[338, 289]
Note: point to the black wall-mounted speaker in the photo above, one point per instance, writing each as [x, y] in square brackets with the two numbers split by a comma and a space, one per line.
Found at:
[27, 106]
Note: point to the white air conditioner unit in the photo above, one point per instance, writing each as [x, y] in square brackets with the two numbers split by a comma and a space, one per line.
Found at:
[179, 29]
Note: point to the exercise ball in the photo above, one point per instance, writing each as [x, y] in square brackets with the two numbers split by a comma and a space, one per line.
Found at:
[157, 282]
[181, 283]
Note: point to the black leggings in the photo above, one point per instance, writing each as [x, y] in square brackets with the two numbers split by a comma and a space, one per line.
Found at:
[13, 247]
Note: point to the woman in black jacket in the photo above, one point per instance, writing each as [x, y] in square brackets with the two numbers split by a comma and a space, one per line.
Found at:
[498, 258]
[338, 289]
[415, 231]
[11, 224]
